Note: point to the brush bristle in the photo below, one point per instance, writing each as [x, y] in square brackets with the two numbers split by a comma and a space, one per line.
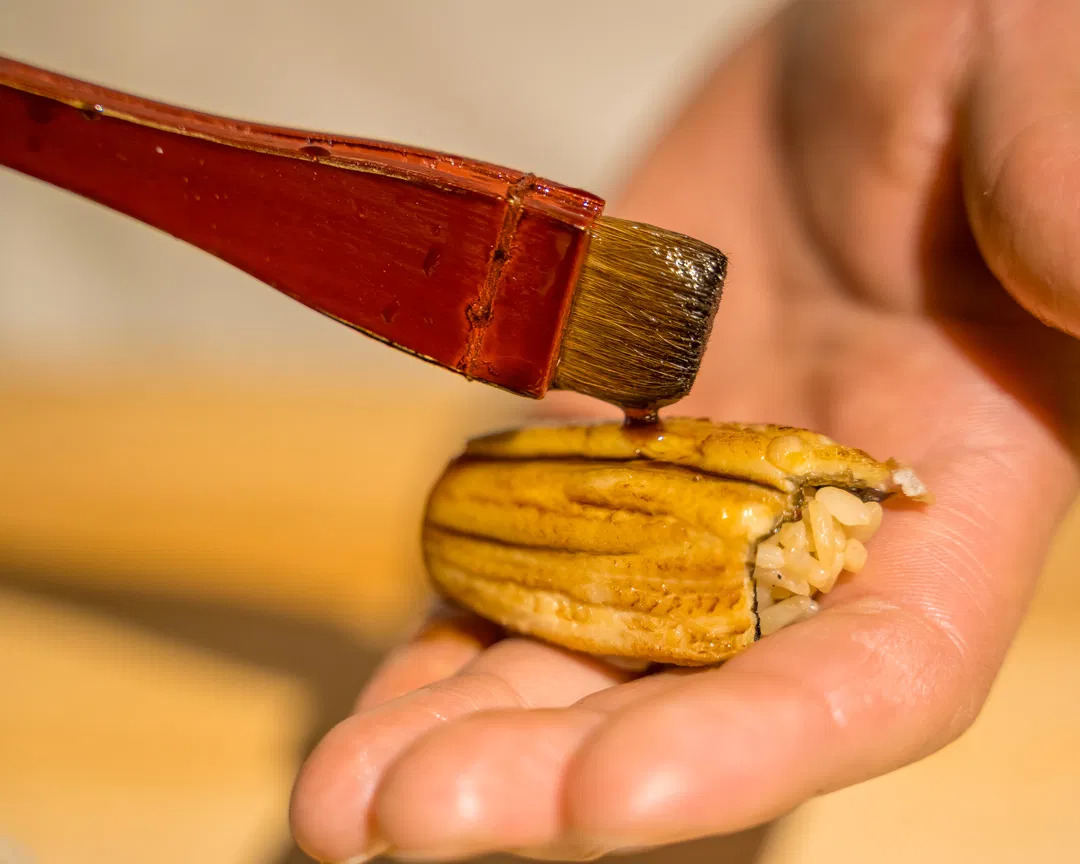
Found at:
[642, 312]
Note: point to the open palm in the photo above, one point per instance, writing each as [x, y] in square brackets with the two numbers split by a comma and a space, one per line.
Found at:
[888, 179]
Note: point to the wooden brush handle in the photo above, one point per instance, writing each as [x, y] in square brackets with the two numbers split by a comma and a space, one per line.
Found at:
[463, 263]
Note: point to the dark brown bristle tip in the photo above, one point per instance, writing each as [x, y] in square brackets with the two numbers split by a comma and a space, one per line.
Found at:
[641, 316]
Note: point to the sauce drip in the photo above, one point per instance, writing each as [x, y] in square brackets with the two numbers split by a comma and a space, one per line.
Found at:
[643, 426]
[640, 418]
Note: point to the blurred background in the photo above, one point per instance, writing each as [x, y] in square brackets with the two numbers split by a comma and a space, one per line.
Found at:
[209, 495]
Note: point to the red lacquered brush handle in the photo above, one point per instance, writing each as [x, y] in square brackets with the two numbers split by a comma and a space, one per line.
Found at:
[466, 264]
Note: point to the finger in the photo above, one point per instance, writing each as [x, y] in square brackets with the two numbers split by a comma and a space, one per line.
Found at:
[333, 793]
[491, 780]
[867, 93]
[1022, 155]
[449, 639]
[487, 782]
[896, 666]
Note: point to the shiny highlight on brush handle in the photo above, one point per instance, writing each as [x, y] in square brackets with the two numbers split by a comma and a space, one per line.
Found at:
[459, 262]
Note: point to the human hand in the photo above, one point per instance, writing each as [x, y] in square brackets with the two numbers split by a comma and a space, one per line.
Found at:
[889, 179]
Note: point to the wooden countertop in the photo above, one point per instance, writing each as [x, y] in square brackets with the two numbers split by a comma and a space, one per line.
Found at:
[197, 575]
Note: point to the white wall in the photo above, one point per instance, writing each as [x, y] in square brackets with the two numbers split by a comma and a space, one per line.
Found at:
[569, 89]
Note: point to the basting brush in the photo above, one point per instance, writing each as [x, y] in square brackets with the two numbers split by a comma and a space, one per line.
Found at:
[499, 275]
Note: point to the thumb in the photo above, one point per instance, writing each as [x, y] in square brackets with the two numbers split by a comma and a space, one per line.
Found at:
[1021, 153]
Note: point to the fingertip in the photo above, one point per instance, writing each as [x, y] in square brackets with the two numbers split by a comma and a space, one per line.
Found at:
[1021, 204]
[330, 801]
[335, 794]
[1020, 146]
[486, 783]
[330, 795]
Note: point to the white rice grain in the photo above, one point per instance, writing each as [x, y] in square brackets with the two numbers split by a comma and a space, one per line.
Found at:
[821, 530]
[844, 507]
[786, 612]
[805, 558]
[764, 597]
[854, 555]
[792, 535]
[769, 556]
[779, 580]
[862, 533]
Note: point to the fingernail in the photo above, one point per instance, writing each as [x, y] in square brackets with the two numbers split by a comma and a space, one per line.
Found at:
[431, 855]
[421, 856]
[373, 851]
[566, 853]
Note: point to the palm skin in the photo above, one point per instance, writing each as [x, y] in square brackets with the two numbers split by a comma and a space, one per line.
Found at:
[896, 185]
